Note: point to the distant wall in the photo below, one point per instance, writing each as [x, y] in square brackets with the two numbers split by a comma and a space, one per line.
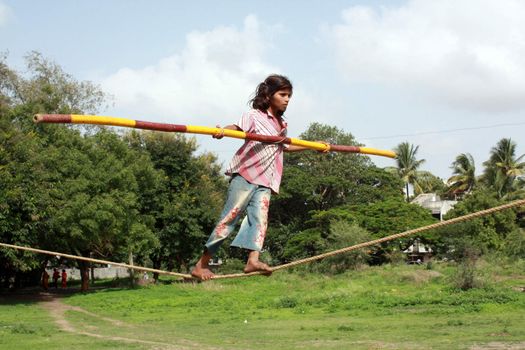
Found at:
[99, 272]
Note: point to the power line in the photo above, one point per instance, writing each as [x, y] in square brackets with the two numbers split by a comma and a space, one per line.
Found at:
[442, 131]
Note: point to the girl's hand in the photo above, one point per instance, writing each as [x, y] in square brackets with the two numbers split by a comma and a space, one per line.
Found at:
[220, 135]
[327, 149]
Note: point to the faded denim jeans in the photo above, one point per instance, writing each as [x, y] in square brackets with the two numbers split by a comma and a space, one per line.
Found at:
[242, 196]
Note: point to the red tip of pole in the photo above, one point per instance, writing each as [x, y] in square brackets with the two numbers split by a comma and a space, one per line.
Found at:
[52, 118]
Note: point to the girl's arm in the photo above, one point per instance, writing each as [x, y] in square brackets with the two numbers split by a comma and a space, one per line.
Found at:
[294, 148]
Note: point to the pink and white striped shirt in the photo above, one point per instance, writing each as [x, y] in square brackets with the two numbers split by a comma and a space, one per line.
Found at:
[260, 163]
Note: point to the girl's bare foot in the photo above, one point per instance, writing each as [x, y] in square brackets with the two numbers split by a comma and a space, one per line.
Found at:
[255, 266]
[201, 269]
[202, 273]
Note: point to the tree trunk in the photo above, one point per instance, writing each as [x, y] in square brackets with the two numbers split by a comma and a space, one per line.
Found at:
[92, 270]
[170, 264]
[84, 275]
[408, 197]
[131, 271]
[17, 281]
[181, 265]
[156, 265]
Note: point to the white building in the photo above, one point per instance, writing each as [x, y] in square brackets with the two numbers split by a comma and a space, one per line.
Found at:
[418, 252]
[433, 202]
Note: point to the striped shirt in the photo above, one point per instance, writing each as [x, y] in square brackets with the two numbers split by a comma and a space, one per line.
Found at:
[260, 163]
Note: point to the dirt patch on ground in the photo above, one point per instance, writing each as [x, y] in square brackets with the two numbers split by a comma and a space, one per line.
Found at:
[54, 305]
[499, 346]
[52, 302]
[57, 309]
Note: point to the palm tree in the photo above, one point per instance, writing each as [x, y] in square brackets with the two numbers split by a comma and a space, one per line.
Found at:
[503, 170]
[429, 183]
[407, 166]
[464, 174]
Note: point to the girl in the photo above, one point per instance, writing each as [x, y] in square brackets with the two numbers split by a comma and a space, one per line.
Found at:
[256, 171]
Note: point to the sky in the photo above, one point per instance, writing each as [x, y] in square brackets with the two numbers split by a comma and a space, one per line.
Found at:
[447, 76]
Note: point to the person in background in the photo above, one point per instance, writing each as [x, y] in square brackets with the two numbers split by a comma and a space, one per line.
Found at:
[64, 279]
[56, 276]
[45, 280]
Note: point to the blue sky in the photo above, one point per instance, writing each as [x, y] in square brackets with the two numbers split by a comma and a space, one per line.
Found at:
[446, 75]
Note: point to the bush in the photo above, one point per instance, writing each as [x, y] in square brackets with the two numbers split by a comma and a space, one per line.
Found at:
[467, 256]
[466, 276]
[303, 244]
[515, 243]
[343, 234]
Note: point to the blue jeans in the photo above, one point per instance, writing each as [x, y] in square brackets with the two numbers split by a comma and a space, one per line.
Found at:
[242, 196]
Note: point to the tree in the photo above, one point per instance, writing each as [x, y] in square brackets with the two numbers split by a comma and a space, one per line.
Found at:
[429, 183]
[408, 165]
[484, 234]
[95, 208]
[342, 235]
[23, 199]
[316, 182]
[26, 184]
[64, 190]
[503, 170]
[186, 206]
[463, 179]
[390, 216]
[319, 181]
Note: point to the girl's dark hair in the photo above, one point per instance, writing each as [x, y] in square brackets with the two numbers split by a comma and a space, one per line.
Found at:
[267, 88]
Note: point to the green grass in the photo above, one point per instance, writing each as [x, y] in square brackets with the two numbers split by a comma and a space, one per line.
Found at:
[389, 307]
[23, 325]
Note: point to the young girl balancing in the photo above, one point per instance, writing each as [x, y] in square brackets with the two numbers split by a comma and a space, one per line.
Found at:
[256, 170]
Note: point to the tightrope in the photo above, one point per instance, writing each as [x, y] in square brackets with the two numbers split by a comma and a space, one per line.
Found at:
[385, 239]
[294, 263]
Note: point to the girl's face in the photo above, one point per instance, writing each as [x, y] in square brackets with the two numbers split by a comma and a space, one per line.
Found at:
[279, 100]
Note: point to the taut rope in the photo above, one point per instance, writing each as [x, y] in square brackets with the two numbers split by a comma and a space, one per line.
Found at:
[97, 261]
[384, 239]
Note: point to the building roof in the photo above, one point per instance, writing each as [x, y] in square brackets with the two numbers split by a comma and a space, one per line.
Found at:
[418, 247]
[433, 202]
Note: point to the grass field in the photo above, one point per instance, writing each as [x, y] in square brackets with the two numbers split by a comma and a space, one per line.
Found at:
[388, 307]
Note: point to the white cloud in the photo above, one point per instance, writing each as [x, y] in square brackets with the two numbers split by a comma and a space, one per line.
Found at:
[210, 80]
[468, 53]
[5, 14]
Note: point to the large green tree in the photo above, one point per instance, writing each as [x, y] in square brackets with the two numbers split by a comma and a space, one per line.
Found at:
[62, 189]
[24, 189]
[314, 187]
[486, 234]
[187, 204]
[390, 216]
[23, 198]
[319, 181]
[96, 209]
